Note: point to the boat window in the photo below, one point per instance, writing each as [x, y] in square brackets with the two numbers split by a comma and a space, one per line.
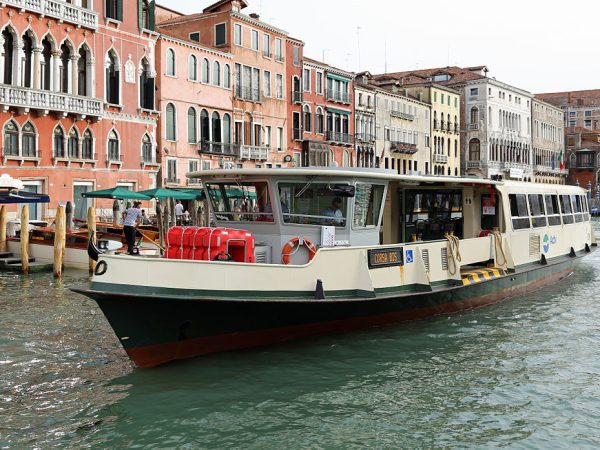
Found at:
[367, 205]
[552, 210]
[586, 208]
[518, 211]
[567, 211]
[241, 202]
[430, 214]
[577, 209]
[312, 204]
[538, 214]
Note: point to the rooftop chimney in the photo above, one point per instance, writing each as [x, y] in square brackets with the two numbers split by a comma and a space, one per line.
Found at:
[255, 16]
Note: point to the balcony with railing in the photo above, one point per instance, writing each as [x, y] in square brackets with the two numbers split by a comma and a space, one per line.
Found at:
[402, 115]
[172, 180]
[247, 93]
[254, 152]
[473, 164]
[440, 159]
[474, 126]
[339, 138]
[338, 96]
[403, 147]
[218, 148]
[542, 169]
[297, 96]
[47, 101]
[365, 137]
[59, 10]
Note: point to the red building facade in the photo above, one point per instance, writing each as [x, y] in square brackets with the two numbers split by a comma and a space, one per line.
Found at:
[77, 98]
[327, 115]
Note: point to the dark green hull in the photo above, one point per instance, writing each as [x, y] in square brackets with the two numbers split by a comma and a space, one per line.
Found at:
[157, 327]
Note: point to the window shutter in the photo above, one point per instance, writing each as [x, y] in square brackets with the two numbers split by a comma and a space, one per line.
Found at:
[119, 10]
[140, 14]
[151, 14]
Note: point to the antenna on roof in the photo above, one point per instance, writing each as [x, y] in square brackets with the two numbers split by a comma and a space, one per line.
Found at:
[358, 45]
[385, 54]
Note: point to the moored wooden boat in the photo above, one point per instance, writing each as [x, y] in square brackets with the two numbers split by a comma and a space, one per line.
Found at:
[447, 244]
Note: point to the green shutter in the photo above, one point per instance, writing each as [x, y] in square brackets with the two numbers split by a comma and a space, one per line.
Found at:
[120, 10]
[140, 14]
[151, 14]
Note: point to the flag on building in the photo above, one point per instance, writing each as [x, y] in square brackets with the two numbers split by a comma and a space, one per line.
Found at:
[561, 160]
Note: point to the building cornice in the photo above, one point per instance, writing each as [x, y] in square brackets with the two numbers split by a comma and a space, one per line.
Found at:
[258, 23]
[191, 45]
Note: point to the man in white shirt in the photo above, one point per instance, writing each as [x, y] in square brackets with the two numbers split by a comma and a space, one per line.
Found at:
[178, 212]
[133, 216]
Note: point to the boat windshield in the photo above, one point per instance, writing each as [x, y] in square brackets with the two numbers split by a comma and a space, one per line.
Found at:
[241, 202]
[312, 204]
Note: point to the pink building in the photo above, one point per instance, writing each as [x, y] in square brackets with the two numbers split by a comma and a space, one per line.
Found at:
[195, 100]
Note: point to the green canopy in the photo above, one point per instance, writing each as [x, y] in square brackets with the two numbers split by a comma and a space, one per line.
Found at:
[119, 193]
[162, 193]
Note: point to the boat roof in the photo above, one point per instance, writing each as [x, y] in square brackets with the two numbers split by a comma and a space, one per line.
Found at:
[341, 172]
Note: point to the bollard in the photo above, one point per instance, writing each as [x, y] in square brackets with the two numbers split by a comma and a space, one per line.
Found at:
[60, 224]
[3, 245]
[24, 237]
[91, 224]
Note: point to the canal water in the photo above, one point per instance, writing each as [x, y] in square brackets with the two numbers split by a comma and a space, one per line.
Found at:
[525, 372]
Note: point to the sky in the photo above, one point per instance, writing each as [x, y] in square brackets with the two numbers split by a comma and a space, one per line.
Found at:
[536, 45]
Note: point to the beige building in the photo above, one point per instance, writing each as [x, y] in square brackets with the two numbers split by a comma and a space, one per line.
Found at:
[548, 143]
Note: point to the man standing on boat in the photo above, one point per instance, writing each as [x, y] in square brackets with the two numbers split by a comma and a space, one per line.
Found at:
[178, 212]
[132, 220]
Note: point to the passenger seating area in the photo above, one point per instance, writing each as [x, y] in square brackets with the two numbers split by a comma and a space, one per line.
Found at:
[210, 244]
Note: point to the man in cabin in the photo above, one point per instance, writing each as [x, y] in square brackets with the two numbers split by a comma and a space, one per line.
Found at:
[132, 219]
[145, 219]
[335, 211]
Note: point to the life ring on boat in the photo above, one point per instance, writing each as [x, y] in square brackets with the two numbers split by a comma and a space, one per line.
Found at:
[288, 249]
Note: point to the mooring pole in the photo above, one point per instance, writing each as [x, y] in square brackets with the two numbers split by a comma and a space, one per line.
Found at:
[3, 245]
[60, 224]
[24, 238]
[91, 224]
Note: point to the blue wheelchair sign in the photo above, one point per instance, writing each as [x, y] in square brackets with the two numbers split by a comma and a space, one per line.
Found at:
[409, 257]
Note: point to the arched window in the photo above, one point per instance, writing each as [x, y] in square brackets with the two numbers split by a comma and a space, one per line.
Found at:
[192, 126]
[193, 68]
[346, 159]
[490, 115]
[146, 86]
[147, 149]
[9, 44]
[227, 77]
[59, 142]
[113, 146]
[65, 67]
[474, 114]
[171, 122]
[204, 126]
[112, 79]
[572, 161]
[442, 121]
[82, 81]
[11, 139]
[216, 127]
[73, 143]
[27, 60]
[456, 148]
[171, 62]
[87, 146]
[205, 71]
[474, 150]
[227, 130]
[28, 140]
[307, 117]
[216, 77]
[319, 121]
[435, 124]
[46, 64]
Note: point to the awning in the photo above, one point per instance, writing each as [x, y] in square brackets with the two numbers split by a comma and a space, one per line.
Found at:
[338, 111]
[162, 193]
[338, 77]
[119, 193]
[11, 197]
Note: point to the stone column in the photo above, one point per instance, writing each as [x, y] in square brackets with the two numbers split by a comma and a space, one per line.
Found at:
[55, 82]
[17, 58]
[1, 59]
[37, 68]
[74, 74]
[90, 73]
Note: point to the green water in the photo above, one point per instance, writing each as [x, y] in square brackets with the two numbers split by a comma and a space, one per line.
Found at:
[524, 373]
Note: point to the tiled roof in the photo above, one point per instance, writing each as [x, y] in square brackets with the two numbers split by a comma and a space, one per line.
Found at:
[184, 18]
[572, 98]
[457, 75]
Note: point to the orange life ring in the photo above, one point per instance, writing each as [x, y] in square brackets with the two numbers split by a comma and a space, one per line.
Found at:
[297, 242]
